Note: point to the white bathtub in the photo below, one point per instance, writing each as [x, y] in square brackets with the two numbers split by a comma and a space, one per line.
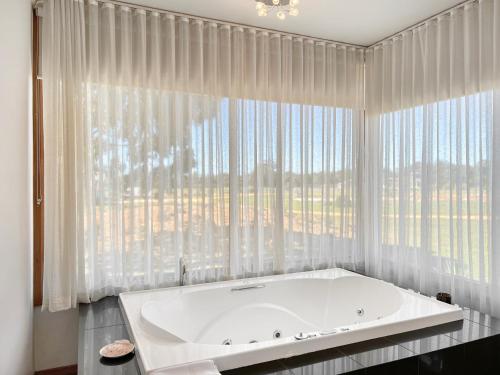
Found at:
[244, 322]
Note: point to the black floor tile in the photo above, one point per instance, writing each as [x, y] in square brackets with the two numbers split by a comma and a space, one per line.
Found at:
[483, 356]
[407, 366]
[449, 361]
[472, 331]
[375, 352]
[361, 371]
[483, 319]
[419, 343]
[332, 367]
[104, 313]
[325, 362]
[267, 368]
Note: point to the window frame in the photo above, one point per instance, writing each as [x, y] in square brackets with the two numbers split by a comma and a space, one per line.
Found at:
[38, 175]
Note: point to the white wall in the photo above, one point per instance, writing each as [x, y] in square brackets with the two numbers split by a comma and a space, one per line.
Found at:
[16, 312]
[56, 338]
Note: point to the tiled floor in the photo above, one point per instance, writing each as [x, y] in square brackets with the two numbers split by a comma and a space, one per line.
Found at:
[468, 347]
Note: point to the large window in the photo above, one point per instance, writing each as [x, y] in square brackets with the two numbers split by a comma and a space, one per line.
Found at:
[432, 155]
[436, 186]
[233, 187]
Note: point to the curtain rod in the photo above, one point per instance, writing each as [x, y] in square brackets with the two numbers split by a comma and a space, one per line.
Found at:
[180, 14]
[207, 19]
[423, 22]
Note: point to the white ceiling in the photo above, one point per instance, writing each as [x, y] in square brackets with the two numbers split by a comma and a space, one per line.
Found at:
[362, 22]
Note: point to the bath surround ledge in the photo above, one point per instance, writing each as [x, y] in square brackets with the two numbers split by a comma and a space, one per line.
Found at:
[460, 347]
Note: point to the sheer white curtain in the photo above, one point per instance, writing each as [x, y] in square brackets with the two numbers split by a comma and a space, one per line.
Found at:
[432, 157]
[167, 137]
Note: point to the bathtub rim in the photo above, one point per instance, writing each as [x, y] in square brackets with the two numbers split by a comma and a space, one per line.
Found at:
[252, 356]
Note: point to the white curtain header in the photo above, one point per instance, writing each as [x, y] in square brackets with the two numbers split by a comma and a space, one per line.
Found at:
[134, 47]
[450, 56]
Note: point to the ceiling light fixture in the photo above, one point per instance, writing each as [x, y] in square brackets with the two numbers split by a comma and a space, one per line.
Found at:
[282, 8]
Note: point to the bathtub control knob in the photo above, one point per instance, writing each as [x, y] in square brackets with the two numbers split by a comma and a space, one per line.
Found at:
[360, 312]
[301, 336]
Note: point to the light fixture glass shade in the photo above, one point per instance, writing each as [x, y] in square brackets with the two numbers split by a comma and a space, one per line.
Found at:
[280, 8]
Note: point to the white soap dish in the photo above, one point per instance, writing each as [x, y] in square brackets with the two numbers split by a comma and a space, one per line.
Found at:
[117, 349]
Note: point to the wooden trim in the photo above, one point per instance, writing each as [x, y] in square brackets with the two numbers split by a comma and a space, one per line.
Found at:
[38, 189]
[66, 370]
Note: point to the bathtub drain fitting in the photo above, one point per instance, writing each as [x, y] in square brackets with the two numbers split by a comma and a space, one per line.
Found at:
[360, 312]
[277, 334]
[227, 342]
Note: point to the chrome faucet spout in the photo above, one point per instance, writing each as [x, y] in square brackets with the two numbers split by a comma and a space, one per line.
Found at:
[248, 287]
[182, 271]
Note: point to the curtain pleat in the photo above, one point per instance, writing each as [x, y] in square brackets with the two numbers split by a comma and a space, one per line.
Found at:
[169, 137]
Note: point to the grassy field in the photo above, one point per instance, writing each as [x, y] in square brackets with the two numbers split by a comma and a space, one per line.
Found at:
[461, 237]
[449, 235]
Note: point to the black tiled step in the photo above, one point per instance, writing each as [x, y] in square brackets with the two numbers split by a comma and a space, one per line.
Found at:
[325, 362]
[267, 368]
